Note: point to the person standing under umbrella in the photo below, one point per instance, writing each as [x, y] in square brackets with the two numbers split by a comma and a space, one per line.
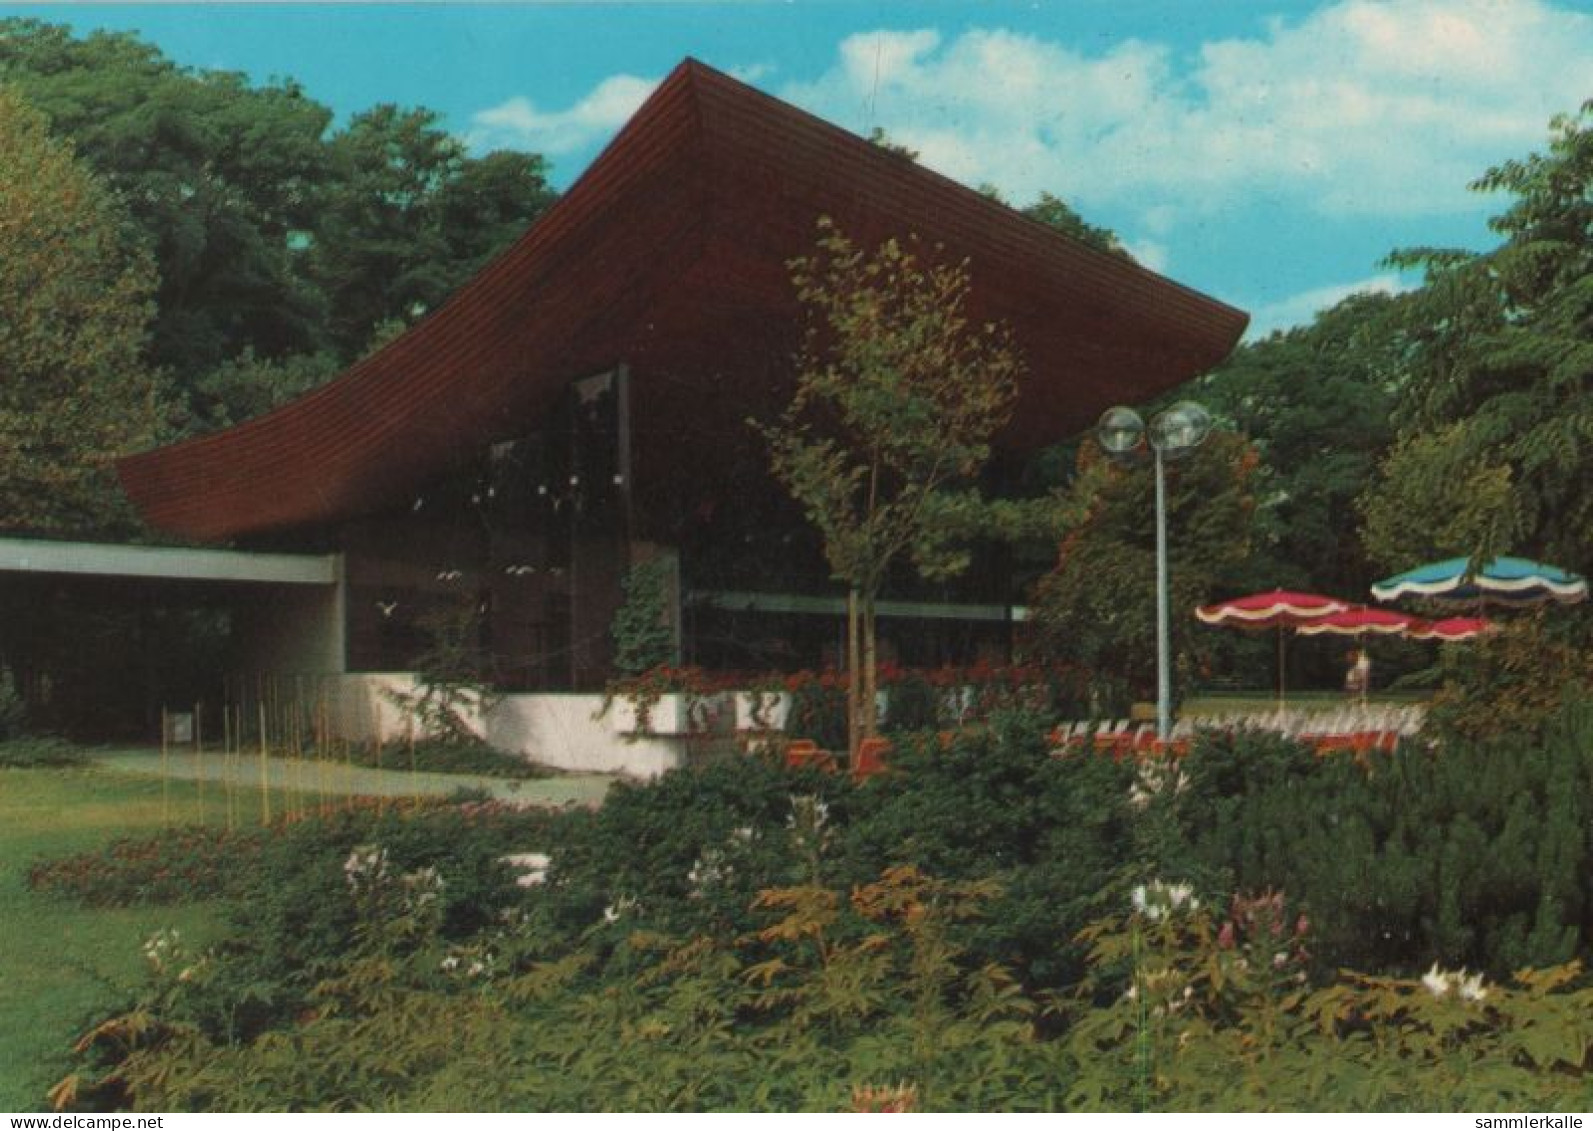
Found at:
[1358, 680]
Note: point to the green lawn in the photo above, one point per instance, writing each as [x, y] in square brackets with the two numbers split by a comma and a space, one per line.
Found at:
[66, 966]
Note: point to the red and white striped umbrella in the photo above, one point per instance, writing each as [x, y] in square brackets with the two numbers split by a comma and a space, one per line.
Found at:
[1359, 622]
[1279, 609]
[1452, 629]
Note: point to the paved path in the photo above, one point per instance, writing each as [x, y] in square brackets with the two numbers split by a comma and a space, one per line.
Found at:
[341, 779]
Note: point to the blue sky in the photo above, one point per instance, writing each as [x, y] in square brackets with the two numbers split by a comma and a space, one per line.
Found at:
[1269, 153]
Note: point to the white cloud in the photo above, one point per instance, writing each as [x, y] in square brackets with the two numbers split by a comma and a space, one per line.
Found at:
[1359, 108]
[1149, 253]
[1299, 309]
[753, 73]
[519, 124]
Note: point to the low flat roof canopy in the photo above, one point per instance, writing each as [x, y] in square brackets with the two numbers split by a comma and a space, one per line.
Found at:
[670, 255]
[164, 563]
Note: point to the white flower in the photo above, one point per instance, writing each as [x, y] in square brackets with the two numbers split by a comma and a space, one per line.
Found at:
[808, 812]
[1471, 989]
[709, 868]
[1157, 900]
[532, 866]
[366, 865]
[623, 905]
[1154, 777]
[1436, 981]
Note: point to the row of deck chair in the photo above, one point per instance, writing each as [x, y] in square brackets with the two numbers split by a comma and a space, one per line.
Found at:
[1354, 727]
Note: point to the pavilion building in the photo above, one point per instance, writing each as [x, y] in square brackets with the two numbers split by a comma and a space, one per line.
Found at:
[582, 405]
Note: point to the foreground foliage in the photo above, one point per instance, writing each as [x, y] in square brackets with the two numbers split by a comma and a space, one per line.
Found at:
[981, 929]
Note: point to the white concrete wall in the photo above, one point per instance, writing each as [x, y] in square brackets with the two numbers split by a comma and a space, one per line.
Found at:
[567, 732]
[564, 732]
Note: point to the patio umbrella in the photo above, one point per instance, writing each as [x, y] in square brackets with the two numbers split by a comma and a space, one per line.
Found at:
[1451, 629]
[1278, 608]
[1502, 581]
[1358, 622]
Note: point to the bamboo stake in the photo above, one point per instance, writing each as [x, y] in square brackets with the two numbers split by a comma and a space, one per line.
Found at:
[226, 752]
[199, 758]
[297, 707]
[414, 780]
[322, 754]
[376, 732]
[348, 776]
[165, 780]
[265, 777]
[235, 761]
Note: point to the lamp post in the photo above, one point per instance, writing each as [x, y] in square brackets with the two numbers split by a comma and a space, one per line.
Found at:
[1173, 433]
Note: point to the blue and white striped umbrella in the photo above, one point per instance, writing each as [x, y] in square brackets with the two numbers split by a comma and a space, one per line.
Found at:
[1503, 581]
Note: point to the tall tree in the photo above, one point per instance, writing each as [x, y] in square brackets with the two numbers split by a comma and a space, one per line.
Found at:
[1097, 607]
[1054, 212]
[221, 178]
[408, 215]
[1496, 447]
[281, 248]
[898, 396]
[75, 303]
[1316, 402]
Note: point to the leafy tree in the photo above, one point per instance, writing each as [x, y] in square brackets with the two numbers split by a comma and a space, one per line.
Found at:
[408, 216]
[898, 396]
[878, 136]
[74, 307]
[1056, 213]
[1496, 449]
[1315, 401]
[220, 177]
[281, 248]
[1097, 607]
[249, 385]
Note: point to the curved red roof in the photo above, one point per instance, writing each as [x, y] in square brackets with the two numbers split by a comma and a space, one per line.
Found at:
[670, 255]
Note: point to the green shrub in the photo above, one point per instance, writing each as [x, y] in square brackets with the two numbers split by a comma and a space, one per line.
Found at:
[914, 704]
[13, 708]
[1190, 1008]
[38, 751]
[688, 852]
[175, 866]
[1473, 854]
[818, 711]
[993, 803]
[1512, 682]
[435, 756]
[830, 996]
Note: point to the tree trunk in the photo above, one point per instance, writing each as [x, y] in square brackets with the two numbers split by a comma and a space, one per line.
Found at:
[854, 675]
